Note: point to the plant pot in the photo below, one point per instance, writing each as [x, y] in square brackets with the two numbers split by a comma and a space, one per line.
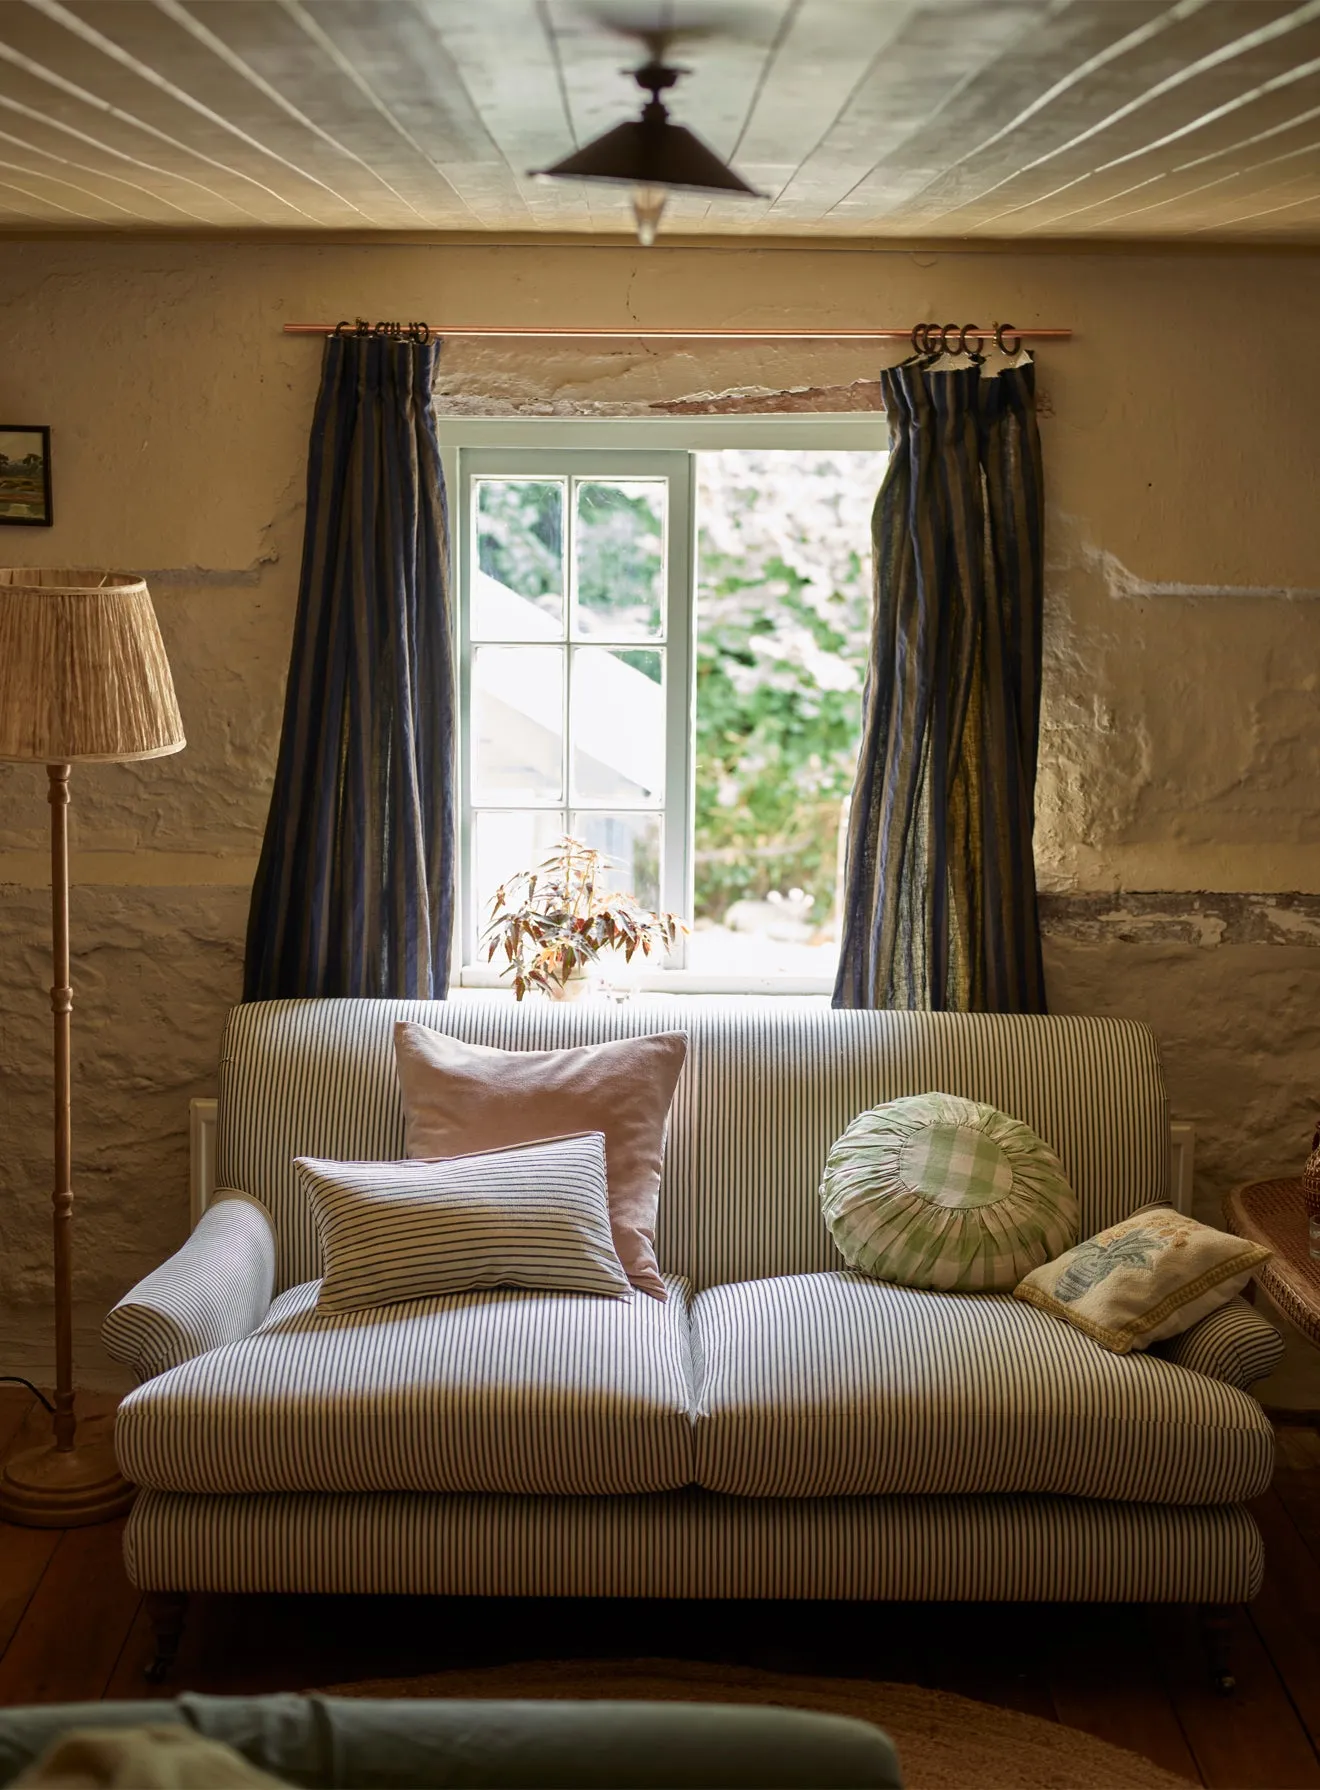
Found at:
[573, 990]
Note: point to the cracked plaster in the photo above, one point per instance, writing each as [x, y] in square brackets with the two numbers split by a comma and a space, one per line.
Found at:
[1183, 917]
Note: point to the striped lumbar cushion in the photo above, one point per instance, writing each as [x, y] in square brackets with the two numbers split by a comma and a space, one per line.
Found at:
[534, 1216]
[939, 1192]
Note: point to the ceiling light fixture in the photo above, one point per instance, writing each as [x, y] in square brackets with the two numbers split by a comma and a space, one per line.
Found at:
[652, 155]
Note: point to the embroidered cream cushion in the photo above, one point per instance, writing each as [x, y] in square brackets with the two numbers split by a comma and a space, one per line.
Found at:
[1152, 1275]
[939, 1192]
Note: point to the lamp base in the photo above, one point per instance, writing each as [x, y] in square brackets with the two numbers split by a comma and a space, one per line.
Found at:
[52, 1488]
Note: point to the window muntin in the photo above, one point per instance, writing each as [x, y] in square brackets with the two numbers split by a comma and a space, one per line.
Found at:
[574, 678]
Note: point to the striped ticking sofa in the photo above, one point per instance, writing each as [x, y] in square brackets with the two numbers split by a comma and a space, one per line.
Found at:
[779, 1428]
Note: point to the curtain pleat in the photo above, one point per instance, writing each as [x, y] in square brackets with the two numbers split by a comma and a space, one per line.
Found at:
[354, 891]
[940, 896]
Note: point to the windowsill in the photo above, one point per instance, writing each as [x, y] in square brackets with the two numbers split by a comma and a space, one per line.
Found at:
[675, 982]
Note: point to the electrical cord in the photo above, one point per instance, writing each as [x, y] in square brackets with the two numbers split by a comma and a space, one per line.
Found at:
[18, 1380]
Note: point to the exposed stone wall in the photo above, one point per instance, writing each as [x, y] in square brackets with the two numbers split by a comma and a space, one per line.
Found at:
[1178, 815]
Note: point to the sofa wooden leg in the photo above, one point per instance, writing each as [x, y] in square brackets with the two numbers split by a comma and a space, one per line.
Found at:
[166, 1611]
[1217, 1634]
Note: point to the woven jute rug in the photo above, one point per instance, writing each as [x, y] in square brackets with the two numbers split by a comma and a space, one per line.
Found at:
[944, 1742]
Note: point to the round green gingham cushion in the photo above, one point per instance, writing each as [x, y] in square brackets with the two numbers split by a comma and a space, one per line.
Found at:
[939, 1192]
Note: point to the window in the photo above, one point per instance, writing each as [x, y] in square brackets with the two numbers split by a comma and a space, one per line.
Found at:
[663, 638]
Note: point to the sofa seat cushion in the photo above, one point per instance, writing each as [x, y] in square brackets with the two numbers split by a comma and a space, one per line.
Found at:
[828, 1385]
[503, 1390]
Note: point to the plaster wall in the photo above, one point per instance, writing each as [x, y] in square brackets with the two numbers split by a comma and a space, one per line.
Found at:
[1181, 743]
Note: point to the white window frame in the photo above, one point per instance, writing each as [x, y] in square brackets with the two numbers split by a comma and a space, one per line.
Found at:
[572, 463]
[467, 448]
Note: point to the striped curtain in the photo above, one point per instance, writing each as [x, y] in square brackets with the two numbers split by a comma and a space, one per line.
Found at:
[940, 891]
[354, 892]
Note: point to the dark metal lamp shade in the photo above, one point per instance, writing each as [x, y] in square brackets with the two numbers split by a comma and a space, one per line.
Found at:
[651, 151]
[652, 155]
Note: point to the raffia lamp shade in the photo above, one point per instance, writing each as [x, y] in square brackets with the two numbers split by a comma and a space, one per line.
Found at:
[83, 672]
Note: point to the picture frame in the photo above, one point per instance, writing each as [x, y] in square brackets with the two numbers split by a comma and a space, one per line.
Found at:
[25, 485]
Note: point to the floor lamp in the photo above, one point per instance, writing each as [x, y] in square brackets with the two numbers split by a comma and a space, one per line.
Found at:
[83, 679]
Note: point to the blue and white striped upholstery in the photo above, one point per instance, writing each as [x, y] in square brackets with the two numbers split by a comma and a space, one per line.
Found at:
[833, 1385]
[690, 1544]
[1234, 1344]
[535, 1216]
[812, 1386]
[768, 1086]
[213, 1290]
[271, 1462]
[499, 1391]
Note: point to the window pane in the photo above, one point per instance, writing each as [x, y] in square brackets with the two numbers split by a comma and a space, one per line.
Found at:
[617, 724]
[632, 843]
[518, 724]
[620, 558]
[504, 842]
[783, 617]
[518, 575]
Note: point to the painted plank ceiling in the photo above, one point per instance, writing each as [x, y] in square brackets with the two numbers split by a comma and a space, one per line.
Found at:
[974, 119]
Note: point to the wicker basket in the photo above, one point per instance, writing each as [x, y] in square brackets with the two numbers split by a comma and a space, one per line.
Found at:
[1311, 1178]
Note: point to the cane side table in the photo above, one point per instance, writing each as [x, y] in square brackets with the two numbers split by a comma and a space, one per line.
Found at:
[1274, 1213]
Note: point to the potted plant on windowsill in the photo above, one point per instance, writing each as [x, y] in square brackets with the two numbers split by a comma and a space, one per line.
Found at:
[553, 922]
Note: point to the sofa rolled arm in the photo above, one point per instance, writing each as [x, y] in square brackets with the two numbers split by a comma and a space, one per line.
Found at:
[214, 1290]
[1235, 1344]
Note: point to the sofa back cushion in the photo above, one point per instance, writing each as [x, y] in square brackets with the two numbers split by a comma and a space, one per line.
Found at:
[768, 1085]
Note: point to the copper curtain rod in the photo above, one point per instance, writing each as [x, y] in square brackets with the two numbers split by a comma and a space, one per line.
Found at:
[952, 333]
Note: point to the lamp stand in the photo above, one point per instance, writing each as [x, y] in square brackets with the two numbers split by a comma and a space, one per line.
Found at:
[62, 1485]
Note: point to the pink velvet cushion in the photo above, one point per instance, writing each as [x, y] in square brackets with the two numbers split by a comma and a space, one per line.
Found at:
[459, 1098]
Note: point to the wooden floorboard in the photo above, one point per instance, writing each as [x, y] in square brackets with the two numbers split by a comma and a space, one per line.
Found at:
[1107, 1679]
[1297, 1481]
[75, 1623]
[1286, 1615]
[1252, 1740]
[73, 1629]
[993, 1653]
[24, 1556]
[24, 1553]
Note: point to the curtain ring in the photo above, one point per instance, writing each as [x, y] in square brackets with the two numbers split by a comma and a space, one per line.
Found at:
[968, 329]
[950, 329]
[342, 327]
[920, 345]
[1000, 343]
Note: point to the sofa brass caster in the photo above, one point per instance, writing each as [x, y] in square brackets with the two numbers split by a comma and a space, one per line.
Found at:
[166, 1611]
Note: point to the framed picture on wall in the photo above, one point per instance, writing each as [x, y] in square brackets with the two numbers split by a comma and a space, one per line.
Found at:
[25, 475]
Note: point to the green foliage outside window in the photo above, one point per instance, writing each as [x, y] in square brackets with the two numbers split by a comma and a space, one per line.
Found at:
[520, 537]
[620, 556]
[783, 619]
